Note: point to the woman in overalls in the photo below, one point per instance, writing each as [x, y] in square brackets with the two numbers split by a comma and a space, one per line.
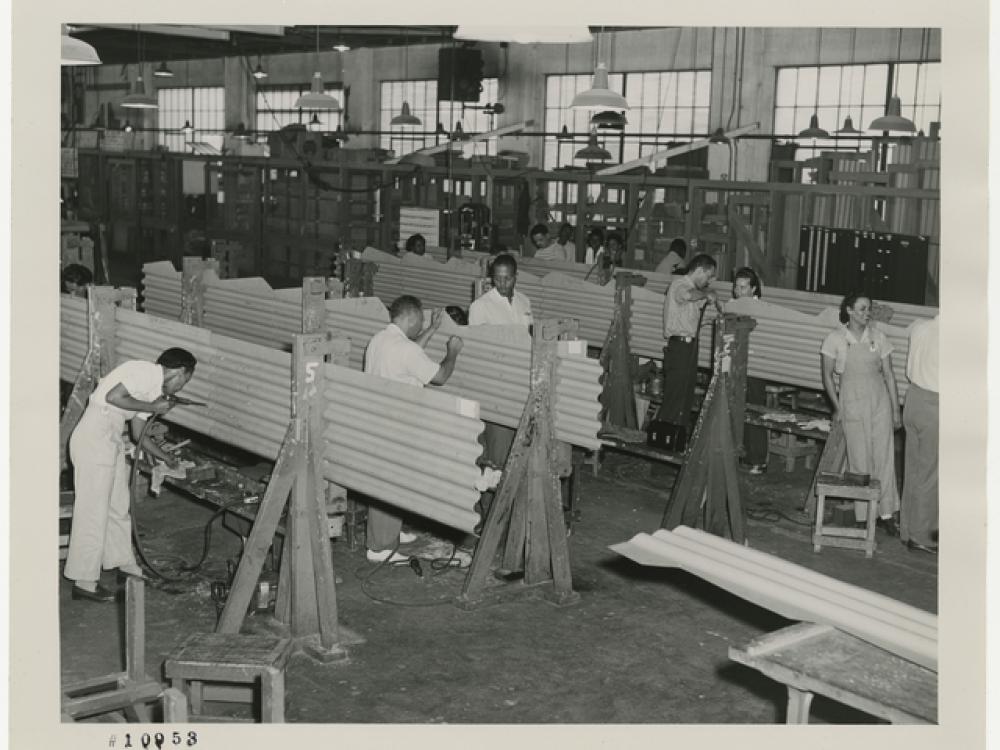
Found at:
[858, 378]
[101, 533]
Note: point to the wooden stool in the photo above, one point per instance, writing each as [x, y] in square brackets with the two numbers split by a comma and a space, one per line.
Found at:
[206, 658]
[841, 536]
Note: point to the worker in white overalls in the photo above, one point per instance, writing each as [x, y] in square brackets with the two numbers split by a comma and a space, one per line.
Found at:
[101, 533]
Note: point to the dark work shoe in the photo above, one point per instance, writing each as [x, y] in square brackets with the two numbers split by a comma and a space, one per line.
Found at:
[917, 547]
[888, 525]
[100, 594]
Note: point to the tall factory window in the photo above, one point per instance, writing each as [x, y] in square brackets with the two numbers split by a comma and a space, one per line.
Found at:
[665, 107]
[276, 108]
[202, 106]
[421, 95]
[859, 91]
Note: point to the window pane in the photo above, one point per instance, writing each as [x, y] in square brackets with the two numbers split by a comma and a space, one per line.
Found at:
[876, 77]
[784, 120]
[805, 92]
[784, 95]
[829, 85]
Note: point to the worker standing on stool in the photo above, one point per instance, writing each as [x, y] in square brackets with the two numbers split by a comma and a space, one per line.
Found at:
[919, 513]
[685, 302]
[397, 353]
[101, 534]
[746, 286]
[858, 378]
[501, 305]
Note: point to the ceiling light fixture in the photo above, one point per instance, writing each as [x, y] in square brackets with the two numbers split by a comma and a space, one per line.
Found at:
[524, 34]
[849, 128]
[259, 73]
[77, 51]
[316, 99]
[719, 136]
[609, 120]
[893, 119]
[187, 128]
[139, 99]
[405, 118]
[593, 151]
[314, 124]
[814, 130]
[564, 134]
[599, 96]
[163, 71]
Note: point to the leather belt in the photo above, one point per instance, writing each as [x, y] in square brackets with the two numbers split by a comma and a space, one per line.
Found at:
[685, 339]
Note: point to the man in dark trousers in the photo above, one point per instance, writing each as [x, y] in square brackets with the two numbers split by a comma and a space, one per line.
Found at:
[684, 303]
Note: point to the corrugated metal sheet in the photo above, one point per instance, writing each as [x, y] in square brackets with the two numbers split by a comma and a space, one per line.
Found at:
[74, 336]
[791, 590]
[161, 289]
[406, 446]
[250, 310]
[562, 296]
[435, 284]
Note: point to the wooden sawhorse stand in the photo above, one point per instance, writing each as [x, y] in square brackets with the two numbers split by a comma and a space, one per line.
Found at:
[528, 502]
[706, 494]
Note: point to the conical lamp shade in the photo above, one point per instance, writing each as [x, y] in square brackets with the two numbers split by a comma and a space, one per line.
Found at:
[139, 99]
[719, 136]
[814, 130]
[163, 71]
[849, 128]
[186, 129]
[458, 134]
[404, 117]
[564, 134]
[609, 120]
[316, 99]
[259, 73]
[593, 150]
[599, 96]
[78, 52]
[892, 119]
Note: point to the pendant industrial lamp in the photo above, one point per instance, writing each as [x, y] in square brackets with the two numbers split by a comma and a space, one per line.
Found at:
[316, 99]
[893, 119]
[163, 71]
[593, 151]
[564, 134]
[341, 45]
[814, 130]
[187, 129]
[314, 124]
[77, 51]
[405, 117]
[599, 96]
[259, 73]
[139, 99]
[609, 120]
[849, 128]
[524, 34]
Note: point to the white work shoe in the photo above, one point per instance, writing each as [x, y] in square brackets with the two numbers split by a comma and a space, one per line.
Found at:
[406, 537]
[386, 555]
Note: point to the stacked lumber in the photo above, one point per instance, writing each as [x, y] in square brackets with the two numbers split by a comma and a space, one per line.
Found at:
[791, 591]
[411, 447]
[74, 336]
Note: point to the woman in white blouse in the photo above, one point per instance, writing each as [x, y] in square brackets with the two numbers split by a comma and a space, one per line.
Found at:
[858, 378]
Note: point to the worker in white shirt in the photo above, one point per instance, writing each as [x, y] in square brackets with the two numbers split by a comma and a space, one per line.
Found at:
[397, 353]
[595, 246]
[547, 250]
[673, 262]
[918, 515]
[503, 304]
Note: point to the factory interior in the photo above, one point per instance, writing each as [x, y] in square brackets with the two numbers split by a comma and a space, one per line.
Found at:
[268, 199]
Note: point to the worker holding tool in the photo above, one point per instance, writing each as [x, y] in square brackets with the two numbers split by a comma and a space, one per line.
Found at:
[683, 309]
[397, 353]
[101, 533]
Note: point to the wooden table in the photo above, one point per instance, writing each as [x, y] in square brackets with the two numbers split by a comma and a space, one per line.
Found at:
[808, 658]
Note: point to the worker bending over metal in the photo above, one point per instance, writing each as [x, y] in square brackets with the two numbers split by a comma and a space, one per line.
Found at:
[397, 353]
[101, 534]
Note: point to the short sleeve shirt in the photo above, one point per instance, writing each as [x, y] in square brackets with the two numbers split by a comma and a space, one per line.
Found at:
[493, 308]
[670, 263]
[681, 314]
[838, 341]
[393, 356]
[143, 381]
[555, 251]
[922, 360]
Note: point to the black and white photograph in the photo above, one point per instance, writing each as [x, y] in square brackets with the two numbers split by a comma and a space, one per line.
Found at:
[580, 381]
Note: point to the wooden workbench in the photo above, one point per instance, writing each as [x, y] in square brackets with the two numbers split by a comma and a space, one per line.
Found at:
[808, 659]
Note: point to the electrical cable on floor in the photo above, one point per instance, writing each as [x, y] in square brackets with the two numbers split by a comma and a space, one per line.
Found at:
[365, 575]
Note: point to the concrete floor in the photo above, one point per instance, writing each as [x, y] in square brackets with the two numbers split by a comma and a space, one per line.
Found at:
[642, 645]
